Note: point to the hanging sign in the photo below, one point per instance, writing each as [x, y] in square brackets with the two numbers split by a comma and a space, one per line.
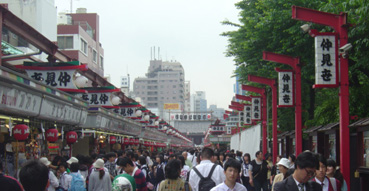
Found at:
[247, 115]
[286, 88]
[326, 60]
[256, 108]
[98, 96]
[241, 117]
[57, 75]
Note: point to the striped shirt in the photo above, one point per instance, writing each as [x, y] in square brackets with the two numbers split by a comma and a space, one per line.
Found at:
[139, 179]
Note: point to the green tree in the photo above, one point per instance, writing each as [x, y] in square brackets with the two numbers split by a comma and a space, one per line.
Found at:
[267, 25]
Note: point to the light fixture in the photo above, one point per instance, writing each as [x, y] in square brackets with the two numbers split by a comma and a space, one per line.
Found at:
[81, 81]
[156, 123]
[138, 113]
[165, 128]
[147, 117]
[115, 100]
[305, 28]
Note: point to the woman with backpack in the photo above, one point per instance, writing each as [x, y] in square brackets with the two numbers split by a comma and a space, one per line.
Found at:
[78, 182]
[173, 181]
[99, 179]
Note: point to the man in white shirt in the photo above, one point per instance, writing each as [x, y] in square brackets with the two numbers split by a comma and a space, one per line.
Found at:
[65, 179]
[232, 170]
[192, 157]
[204, 168]
[54, 182]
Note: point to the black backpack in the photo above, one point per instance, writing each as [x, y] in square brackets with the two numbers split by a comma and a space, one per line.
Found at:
[207, 183]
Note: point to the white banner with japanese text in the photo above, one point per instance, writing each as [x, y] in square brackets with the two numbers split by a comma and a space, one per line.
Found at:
[326, 60]
[256, 108]
[285, 88]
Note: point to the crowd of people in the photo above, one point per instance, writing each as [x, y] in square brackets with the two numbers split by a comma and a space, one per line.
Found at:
[186, 170]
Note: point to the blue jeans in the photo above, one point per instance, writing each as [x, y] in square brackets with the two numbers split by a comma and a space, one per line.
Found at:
[261, 185]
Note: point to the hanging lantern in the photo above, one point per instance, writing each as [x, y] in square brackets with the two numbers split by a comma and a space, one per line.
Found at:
[145, 143]
[81, 81]
[112, 139]
[21, 132]
[131, 141]
[71, 137]
[147, 117]
[126, 141]
[138, 113]
[51, 135]
[115, 100]
[137, 141]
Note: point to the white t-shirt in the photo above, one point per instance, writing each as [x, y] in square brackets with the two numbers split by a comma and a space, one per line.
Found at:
[224, 187]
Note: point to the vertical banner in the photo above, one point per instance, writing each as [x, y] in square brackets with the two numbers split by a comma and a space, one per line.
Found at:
[286, 88]
[326, 60]
[247, 115]
[256, 108]
[241, 118]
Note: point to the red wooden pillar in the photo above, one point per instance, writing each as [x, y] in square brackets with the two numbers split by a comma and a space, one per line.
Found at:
[272, 83]
[262, 92]
[294, 62]
[340, 25]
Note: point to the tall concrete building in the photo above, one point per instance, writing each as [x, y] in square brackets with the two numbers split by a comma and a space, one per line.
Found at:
[79, 38]
[187, 107]
[39, 14]
[164, 83]
[199, 102]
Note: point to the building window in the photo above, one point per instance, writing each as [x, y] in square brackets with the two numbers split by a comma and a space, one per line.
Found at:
[94, 56]
[101, 62]
[84, 46]
[65, 42]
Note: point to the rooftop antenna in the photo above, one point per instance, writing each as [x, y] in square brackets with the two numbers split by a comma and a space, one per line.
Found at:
[154, 53]
[150, 53]
[159, 53]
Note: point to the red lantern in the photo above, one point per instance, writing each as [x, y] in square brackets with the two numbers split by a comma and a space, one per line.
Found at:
[137, 141]
[112, 140]
[51, 135]
[21, 132]
[131, 141]
[145, 144]
[71, 137]
[126, 141]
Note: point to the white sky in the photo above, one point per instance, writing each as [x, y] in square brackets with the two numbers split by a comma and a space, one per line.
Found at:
[185, 30]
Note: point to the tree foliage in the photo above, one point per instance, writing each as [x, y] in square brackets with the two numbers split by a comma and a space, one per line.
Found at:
[267, 25]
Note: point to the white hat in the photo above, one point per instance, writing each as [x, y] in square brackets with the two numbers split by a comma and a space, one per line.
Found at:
[72, 160]
[45, 161]
[123, 183]
[285, 162]
[99, 163]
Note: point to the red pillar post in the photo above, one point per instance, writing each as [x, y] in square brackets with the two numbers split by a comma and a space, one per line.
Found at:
[272, 83]
[340, 25]
[294, 62]
[260, 91]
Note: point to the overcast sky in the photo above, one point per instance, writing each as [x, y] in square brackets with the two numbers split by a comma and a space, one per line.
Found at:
[187, 31]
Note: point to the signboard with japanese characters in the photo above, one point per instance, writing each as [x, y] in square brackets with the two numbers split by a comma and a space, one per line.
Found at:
[126, 111]
[52, 109]
[17, 99]
[241, 117]
[191, 117]
[247, 115]
[326, 60]
[256, 108]
[57, 75]
[286, 88]
[102, 97]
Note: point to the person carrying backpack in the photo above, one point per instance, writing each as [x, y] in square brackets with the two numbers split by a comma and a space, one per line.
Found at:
[206, 175]
[77, 183]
